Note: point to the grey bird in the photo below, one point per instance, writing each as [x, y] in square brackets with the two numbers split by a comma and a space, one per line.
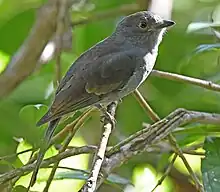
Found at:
[108, 71]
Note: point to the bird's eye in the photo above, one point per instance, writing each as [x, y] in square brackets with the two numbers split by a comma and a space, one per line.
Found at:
[143, 24]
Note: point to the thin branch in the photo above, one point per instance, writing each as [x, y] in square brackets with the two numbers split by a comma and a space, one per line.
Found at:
[16, 154]
[160, 181]
[62, 24]
[181, 78]
[90, 184]
[30, 167]
[145, 106]
[71, 134]
[171, 139]
[178, 150]
[165, 147]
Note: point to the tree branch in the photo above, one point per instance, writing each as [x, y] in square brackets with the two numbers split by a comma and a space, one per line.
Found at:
[141, 140]
[29, 167]
[181, 78]
[25, 60]
[90, 184]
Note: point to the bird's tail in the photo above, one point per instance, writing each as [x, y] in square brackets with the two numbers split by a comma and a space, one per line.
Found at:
[45, 144]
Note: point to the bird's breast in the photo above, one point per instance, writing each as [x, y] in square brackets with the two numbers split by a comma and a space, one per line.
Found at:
[149, 62]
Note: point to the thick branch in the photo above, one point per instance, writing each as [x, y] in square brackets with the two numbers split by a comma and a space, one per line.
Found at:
[140, 141]
[25, 60]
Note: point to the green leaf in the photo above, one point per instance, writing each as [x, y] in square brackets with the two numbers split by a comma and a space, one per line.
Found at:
[20, 188]
[207, 47]
[32, 113]
[25, 157]
[83, 175]
[196, 26]
[211, 165]
[195, 133]
[29, 115]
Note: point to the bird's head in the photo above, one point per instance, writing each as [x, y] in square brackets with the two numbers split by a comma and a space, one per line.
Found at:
[143, 27]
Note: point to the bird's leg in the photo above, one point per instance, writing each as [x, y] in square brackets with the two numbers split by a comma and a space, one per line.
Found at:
[106, 114]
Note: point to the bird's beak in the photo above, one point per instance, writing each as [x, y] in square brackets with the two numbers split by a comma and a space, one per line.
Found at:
[165, 23]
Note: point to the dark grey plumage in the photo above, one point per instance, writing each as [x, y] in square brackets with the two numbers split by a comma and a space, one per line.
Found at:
[108, 71]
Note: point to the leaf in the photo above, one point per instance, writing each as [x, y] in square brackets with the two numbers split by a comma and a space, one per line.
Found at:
[29, 115]
[25, 157]
[196, 26]
[113, 178]
[195, 132]
[20, 188]
[211, 165]
[32, 113]
[83, 175]
[207, 47]
[195, 62]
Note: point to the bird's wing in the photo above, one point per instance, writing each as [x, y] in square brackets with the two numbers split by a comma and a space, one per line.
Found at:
[110, 74]
[107, 74]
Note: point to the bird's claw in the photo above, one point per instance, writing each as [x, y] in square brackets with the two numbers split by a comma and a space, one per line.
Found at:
[109, 117]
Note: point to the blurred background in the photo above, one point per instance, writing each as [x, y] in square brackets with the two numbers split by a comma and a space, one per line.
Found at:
[190, 48]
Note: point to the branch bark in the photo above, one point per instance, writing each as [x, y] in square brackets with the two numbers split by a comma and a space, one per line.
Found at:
[90, 184]
[185, 79]
[26, 59]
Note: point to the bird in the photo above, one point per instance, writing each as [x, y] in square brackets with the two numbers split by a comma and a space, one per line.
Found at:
[106, 72]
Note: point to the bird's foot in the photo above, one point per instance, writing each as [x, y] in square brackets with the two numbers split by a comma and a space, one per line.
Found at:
[106, 115]
[109, 117]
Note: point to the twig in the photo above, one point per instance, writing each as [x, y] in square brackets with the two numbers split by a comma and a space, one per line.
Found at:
[165, 147]
[90, 184]
[145, 106]
[181, 78]
[160, 181]
[60, 30]
[178, 150]
[16, 154]
[71, 134]
[171, 139]
[71, 169]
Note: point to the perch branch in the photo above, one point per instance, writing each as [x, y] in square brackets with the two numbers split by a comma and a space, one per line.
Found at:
[90, 184]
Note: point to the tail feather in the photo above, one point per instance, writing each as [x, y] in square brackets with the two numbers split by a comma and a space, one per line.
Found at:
[46, 142]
